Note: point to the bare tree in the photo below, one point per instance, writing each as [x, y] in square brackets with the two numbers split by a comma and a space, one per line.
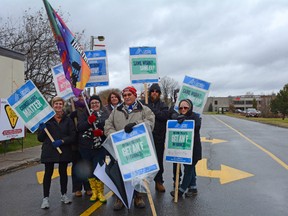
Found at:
[32, 36]
[169, 87]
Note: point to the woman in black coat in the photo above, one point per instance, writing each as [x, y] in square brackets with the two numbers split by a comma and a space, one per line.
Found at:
[62, 130]
[189, 181]
[91, 136]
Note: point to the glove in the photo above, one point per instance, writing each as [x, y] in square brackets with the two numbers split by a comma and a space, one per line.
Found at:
[181, 118]
[42, 126]
[57, 143]
[97, 132]
[73, 115]
[92, 118]
[129, 127]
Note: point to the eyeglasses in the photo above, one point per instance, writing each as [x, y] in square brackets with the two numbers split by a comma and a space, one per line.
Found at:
[93, 103]
[183, 108]
[155, 91]
[127, 95]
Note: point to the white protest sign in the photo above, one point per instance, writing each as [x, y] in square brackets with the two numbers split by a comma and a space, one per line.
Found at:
[11, 126]
[30, 105]
[179, 141]
[135, 153]
[97, 60]
[62, 85]
[143, 65]
[196, 90]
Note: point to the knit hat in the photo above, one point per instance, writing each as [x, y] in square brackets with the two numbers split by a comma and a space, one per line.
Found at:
[190, 105]
[155, 86]
[95, 97]
[130, 89]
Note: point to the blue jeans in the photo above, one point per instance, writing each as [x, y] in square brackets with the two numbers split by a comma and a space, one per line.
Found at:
[189, 180]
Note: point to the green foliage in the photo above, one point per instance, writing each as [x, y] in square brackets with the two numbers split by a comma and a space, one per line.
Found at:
[280, 103]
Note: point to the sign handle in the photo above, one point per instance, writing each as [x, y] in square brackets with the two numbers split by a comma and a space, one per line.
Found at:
[73, 109]
[177, 183]
[52, 140]
[146, 93]
[146, 184]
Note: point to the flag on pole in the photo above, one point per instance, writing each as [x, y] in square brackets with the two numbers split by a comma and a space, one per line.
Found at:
[73, 58]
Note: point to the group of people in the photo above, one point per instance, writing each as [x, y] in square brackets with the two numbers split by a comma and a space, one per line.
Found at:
[81, 134]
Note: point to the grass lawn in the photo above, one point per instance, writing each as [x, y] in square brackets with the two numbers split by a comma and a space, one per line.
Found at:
[29, 141]
[271, 121]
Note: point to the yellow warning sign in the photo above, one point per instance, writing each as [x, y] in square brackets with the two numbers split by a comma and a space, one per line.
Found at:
[13, 118]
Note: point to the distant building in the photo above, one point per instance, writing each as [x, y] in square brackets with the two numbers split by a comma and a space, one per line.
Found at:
[242, 102]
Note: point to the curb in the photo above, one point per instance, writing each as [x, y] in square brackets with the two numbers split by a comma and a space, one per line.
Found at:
[18, 166]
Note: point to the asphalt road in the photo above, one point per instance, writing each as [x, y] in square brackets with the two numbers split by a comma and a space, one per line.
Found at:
[244, 171]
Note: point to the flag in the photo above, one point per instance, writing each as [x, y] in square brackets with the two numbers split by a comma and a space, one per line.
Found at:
[73, 58]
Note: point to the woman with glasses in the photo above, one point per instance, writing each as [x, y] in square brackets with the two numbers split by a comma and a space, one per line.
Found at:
[90, 128]
[185, 112]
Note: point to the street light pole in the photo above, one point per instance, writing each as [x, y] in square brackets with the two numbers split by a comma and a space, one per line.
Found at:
[99, 38]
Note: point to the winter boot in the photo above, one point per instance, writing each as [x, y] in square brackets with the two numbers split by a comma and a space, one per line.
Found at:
[92, 182]
[100, 191]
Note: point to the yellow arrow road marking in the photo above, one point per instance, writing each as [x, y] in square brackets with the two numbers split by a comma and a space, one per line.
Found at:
[278, 160]
[226, 174]
[96, 205]
[40, 175]
[213, 141]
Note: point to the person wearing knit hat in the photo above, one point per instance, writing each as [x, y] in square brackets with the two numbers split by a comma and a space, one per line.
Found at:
[91, 136]
[161, 112]
[128, 114]
[185, 112]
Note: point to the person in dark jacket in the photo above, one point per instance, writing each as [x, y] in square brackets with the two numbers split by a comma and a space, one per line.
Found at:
[79, 176]
[189, 179]
[62, 130]
[91, 136]
[114, 100]
[161, 112]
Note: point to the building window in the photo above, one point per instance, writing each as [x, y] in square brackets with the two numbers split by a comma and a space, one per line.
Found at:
[215, 102]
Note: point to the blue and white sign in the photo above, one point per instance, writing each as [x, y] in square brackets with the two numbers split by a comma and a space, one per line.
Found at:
[196, 90]
[30, 105]
[135, 153]
[143, 65]
[62, 85]
[97, 60]
[179, 141]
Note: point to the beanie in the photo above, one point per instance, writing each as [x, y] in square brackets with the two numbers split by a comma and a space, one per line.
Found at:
[155, 86]
[130, 89]
[95, 97]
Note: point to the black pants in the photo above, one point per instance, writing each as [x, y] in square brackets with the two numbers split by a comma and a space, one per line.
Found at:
[49, 168]
[79, 177]
[159, 147]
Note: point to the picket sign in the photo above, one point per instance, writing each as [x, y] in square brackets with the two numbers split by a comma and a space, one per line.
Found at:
[30, 105]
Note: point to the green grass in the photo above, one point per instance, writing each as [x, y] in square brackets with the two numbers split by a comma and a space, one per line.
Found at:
[29, 141]
[271, 121]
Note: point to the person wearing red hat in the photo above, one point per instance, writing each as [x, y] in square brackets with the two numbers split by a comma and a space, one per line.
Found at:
[130, 113]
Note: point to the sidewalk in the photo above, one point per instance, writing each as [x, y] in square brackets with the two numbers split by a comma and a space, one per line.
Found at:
[13, 161]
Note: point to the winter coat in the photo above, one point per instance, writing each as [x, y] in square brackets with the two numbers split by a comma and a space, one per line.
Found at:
[119, 118]
[161, 112]
[86, 138]
[197, 147]
[64, 130]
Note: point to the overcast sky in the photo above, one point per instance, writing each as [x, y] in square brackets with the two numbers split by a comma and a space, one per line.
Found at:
[238, 46]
